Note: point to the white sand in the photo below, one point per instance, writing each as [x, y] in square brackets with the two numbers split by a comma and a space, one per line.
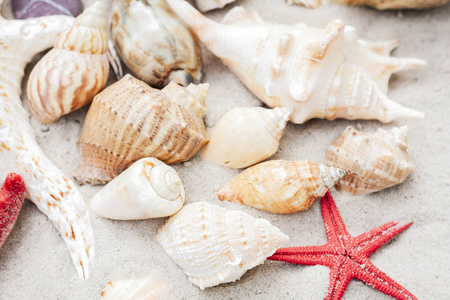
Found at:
[35, 264]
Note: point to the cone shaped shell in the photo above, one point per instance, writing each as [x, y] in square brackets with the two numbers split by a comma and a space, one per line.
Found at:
[71, 74]
[130, 120]
[246, 136]
[214, 245]
[373, 162]
[280, 186]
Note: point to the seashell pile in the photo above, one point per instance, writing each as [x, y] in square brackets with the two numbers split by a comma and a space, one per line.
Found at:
[214, 245]
[373, 161]
[281, 187]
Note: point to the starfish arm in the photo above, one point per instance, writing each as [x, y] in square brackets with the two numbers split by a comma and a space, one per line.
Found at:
[307, 259]
[334, 226]
[364, 238]
[340, 277]
[308, 250]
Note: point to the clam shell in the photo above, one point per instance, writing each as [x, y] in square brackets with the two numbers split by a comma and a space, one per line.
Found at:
[207, 5]
[280, 186]
[373, 161]
[147, 189]
[130, 120]
[74, 71]
[214, 245]
[394, 4]
[245, 136]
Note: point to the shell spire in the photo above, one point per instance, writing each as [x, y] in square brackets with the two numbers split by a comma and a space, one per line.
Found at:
[193, 97]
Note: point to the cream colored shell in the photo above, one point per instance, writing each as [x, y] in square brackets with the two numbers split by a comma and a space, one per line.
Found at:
[74, 71]
[280, 186]
[147, 189]
[373, 161]
[245, 136]
[207, 5]
[214, 245]
[394, 4]
[307, 3]
[130, 120]
[319, 73]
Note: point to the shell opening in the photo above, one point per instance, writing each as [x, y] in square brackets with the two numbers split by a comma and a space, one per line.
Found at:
[166, 182]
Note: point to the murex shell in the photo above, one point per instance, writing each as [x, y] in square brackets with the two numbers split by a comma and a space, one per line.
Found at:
[147, 189]
[394, 4]
[320, 73]
[74, 71]
[373, 161]
[154, 43]
[129, 120]
[206, 5]
[214, 245]
[245, 136]
[25, 9]
[280, 186]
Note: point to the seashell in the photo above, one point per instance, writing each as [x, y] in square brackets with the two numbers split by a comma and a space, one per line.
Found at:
[214, 245]
[245, 136]
[306, 3]
[52, 192]
[320, 73]
[74, 71]
[25, 9]
[280, 186]
[206, 5]
[130, 120]
[154, 43]
[373, 161]
[394, 4]
[147, 189]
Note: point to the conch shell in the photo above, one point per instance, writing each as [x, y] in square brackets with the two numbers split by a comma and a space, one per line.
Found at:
[214, 245]
[320, 73]
[147, 189]
[206, 5]
[154, 43]
[394, 4]
[245, 136]
[280, 186]
[306, 3]
[373, 161]
[130, 120]
[74, 71]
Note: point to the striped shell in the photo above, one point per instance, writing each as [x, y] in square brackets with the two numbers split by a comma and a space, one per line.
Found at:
[280, 186]
[130, 120]
[214, 245]
[373, 161]
[74, 71]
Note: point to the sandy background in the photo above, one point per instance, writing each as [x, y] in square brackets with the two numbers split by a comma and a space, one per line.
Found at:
[35, 263]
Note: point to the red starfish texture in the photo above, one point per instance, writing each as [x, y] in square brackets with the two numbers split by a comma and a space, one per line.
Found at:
[347, 256]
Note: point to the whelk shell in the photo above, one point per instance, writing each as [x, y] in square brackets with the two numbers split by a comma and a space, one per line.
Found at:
[245, 136]
[214, 245]
[280, 186]
[74, 71]
[154, 43]
[147, 189]
[320, 73]
[373, 161]
[206, 5]
[129, 120]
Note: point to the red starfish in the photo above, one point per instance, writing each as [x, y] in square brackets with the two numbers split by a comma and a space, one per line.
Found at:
[347, 256]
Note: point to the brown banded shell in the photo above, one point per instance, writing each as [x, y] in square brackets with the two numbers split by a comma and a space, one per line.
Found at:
[130, 120]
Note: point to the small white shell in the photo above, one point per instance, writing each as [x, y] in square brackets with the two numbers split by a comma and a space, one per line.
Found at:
[151, 288]
[206, 5]
[147, 189]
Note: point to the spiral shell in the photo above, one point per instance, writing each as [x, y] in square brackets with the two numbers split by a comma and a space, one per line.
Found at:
[74, 71]
[214, 245]
[373, 161]
[206, 5]
[245, 136]
[130, 120]
[280, 186]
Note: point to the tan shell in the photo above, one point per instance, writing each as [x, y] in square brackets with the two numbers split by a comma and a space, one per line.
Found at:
[74, 71]
[394, 4]
[130, 120]
[373, 161]
[245, 136]
[214, 245]
[280, 186]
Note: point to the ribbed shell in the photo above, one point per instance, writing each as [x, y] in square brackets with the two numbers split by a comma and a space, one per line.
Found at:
[394, 4]
[280, 186]
[206, 5]
[154, 43]
[74, 71]
[130, 120]
[214, 245]
[373, 161]
[245, 136]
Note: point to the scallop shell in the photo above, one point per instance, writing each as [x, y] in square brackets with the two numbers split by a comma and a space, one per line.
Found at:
[280, 186]
[306, 3]
[130, 120]
[373, 161]
[154, 43]
[214, 245]
[206, 5]
[74, 71]
[320, 73]
[394, 4]
[245, 136]
[147, 189]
